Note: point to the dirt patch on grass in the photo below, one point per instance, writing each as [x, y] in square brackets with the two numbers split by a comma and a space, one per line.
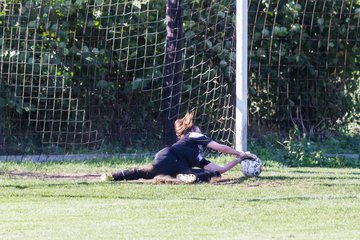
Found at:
[69, 176]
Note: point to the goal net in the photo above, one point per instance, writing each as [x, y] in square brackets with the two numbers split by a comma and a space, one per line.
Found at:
[97, 73]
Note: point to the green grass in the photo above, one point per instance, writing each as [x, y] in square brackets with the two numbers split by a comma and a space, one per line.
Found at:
[284, 203]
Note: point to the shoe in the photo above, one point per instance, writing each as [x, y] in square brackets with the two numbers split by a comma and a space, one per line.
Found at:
[106, 177]
[186, 178]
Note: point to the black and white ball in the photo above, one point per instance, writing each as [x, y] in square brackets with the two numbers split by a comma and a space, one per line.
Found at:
[251, 168]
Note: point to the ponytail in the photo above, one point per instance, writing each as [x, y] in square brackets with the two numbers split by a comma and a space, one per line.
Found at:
[184, 125]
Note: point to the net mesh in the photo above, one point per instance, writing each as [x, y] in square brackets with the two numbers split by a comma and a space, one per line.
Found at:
[79, 74]
[87, 73]
[303, 64]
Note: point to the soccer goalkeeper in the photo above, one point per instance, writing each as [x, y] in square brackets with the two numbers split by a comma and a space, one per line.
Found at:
[183, 161]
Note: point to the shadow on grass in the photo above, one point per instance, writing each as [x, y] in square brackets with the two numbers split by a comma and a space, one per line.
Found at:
[229, 181]
[300, 198]
[294, 177]
[319, 172]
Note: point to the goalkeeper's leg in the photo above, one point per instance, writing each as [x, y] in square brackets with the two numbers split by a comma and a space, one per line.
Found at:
[145, 172]
[197, 176]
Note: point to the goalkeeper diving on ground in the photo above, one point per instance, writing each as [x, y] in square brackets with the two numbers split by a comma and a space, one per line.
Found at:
[183, 160]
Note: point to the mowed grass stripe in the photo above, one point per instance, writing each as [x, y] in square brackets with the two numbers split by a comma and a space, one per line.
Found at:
[63, 218]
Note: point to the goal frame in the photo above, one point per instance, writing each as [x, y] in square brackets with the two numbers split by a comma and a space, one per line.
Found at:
[241, 114]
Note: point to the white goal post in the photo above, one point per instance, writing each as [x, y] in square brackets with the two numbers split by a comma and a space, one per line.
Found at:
[241, 74]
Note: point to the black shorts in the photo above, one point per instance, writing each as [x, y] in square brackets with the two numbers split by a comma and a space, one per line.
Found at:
[165, 162]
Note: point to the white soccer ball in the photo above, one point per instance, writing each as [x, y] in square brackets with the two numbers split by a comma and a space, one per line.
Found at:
[251, 168]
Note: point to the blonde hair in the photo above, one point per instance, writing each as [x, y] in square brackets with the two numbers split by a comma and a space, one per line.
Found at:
[184, 125]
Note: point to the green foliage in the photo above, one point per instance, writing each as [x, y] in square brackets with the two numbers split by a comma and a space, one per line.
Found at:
[303, 153]
[299, 150]
[63, 48]
[111, 57]
[303, 63]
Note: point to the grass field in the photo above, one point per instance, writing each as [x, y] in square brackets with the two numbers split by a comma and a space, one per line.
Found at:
[66, 201]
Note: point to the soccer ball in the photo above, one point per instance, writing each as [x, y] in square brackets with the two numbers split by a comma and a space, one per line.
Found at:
[251, 168]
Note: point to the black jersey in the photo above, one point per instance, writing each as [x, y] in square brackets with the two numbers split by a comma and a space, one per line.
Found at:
[188, 149]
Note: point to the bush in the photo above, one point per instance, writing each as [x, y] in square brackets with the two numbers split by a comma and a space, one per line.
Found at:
[298, 150]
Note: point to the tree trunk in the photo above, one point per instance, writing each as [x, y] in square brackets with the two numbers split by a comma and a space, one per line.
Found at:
[173, 68]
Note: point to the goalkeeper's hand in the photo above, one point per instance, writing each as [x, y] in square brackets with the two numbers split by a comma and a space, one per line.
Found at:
[247, 155]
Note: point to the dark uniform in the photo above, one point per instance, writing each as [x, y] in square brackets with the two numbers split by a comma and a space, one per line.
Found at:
[182, 157]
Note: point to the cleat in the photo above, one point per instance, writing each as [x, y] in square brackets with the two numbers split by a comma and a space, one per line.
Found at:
[105, 177]
[186, 178]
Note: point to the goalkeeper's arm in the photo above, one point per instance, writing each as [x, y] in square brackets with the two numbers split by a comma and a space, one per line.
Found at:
[221, 169]
[229, 150]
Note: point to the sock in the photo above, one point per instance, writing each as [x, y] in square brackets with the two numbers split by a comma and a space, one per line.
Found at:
[128, 174]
